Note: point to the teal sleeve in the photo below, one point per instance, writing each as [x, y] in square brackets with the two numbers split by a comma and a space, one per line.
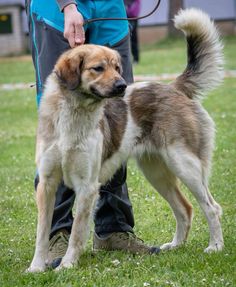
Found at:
[63, 3]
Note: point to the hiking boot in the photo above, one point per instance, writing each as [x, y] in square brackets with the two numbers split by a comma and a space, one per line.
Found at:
[126, 241]
[57, 248]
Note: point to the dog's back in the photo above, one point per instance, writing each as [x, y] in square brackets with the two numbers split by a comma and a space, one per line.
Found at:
[170, 113]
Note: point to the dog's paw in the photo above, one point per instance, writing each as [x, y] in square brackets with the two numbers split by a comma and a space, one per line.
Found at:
[35, 269]
[168, 246]
[65, 265]
[214, 248]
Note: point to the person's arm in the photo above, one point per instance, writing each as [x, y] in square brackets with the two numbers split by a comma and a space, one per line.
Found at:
[73, 22]
[63, 3]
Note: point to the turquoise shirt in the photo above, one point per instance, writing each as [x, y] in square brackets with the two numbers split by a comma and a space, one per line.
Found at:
[101, 32]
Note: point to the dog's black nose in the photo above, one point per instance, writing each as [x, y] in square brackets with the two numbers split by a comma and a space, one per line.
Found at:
[119, 86]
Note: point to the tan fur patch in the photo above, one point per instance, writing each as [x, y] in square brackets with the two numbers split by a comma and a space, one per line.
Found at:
[165, 116]
[185, 203]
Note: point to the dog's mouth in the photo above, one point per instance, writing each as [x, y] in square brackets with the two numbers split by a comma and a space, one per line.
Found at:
[112, 94]
[95, 93]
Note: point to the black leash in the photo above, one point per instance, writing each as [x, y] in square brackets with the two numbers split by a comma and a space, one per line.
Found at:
[88, 21]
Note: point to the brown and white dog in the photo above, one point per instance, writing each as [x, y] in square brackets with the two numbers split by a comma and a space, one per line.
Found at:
[90, 123]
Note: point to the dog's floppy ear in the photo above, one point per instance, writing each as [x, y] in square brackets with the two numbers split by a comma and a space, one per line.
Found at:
[68, 69]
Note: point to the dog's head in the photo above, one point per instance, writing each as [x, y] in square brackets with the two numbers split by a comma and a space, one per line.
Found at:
[94, 70]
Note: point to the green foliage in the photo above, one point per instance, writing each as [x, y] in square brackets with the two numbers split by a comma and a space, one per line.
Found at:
[186, 266]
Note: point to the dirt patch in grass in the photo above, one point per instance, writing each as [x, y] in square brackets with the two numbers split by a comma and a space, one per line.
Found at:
[22, 58]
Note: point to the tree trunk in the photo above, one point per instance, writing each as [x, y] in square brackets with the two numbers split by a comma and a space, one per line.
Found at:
[174, 7]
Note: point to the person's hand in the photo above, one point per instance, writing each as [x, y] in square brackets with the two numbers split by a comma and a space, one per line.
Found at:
[74, 30]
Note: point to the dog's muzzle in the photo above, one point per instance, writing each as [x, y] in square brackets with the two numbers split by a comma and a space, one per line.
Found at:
[117, 90]
[119, 87]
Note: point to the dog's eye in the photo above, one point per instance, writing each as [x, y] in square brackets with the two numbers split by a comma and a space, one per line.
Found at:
[98, 68]
[118, 69]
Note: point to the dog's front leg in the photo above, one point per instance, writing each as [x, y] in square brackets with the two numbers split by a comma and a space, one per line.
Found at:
[86, 198]
[45, 197]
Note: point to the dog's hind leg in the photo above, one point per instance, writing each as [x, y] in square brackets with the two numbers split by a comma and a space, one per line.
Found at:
[45, 197]
[165, 182]
[191, 171]
[86, 197]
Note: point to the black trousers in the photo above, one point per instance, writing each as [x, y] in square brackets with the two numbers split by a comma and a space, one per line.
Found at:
[114, 210]
[134, 40]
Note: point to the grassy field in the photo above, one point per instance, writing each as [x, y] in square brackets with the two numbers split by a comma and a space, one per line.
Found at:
[186, 266]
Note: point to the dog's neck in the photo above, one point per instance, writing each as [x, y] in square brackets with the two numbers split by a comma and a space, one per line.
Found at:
[79, 100]
[74, 113]
[80, 115]
[79, 106]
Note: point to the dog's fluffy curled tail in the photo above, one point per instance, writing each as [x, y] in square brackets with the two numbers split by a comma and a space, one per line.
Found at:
[204, 69]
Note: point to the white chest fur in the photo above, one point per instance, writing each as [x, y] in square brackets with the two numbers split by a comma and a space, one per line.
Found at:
[80, 144]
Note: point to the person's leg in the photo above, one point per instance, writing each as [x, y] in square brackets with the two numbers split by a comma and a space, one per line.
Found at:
[114, 220]
[47, 44]
[114, 209]
[134, 41]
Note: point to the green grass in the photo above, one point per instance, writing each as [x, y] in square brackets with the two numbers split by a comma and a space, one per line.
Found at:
[186, 266]
[16, 70]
